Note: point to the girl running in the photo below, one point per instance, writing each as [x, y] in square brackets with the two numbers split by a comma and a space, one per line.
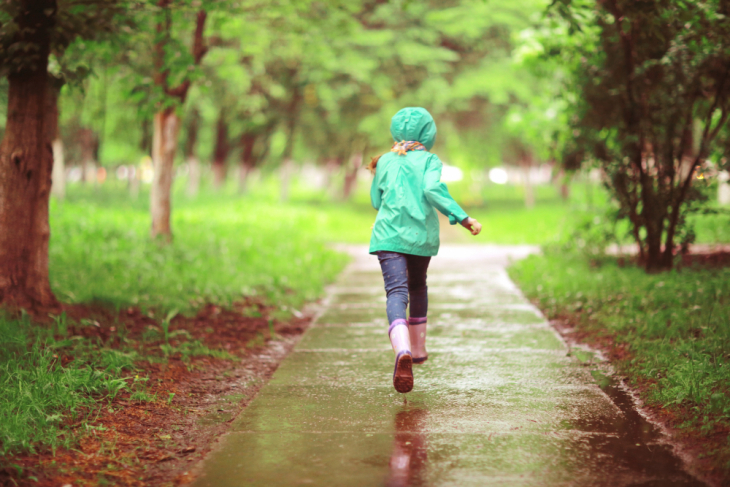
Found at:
[406, 191]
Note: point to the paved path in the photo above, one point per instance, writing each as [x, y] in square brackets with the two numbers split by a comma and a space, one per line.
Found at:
[499, 401]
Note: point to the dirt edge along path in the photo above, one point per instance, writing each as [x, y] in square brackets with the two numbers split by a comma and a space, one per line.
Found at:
[157, 442]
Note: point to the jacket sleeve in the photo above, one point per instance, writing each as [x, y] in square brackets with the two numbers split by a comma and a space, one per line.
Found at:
[438, 195]
[375, 193]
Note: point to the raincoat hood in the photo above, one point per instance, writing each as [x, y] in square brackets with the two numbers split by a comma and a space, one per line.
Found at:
[414, 123]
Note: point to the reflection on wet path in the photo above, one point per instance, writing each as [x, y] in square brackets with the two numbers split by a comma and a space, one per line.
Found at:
[410, 449]
[500, 401]
[639, 444]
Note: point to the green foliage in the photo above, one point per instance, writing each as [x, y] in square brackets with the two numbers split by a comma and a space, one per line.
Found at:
[67, 21]
[653, 88]
[676, 326]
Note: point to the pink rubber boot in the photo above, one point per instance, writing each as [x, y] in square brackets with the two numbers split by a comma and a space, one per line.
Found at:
[401, 341]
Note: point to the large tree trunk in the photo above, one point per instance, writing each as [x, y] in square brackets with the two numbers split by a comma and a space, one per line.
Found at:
[166, 126]
[26, 163]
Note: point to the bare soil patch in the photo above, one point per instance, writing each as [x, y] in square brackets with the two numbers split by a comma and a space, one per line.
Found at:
[193, 399]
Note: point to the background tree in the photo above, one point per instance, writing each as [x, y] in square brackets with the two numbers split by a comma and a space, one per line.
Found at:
[172, 78]
[30, 31]
[652, 79]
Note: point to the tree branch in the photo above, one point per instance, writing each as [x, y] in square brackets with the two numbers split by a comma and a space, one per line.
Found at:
[198, 51]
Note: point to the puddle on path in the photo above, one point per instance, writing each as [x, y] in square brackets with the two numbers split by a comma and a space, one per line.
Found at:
[643, 447]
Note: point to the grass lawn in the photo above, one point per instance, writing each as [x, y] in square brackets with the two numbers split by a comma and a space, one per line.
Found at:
[674, 328]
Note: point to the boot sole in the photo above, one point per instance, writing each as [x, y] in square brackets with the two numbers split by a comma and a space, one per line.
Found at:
[420, 360]
[403, 374]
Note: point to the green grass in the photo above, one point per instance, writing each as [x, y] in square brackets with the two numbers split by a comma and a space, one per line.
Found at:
[223, 249]
[675, 325]
[38, 396]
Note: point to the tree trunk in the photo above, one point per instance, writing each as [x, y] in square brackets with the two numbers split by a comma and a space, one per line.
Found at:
[59, 169]
[191, 156]
[89, 144]
[220, 172]
[291, 124]
[222, 149]
[164, 142]
[135, 176]
[58, 174]
[285, 173]
[26, 162]
[564, 185]
[529, 190]
[656, 260]
[723, 188]
[166, 123]
[193, 175]
[351, 176]
[243, 173]
[248, 160]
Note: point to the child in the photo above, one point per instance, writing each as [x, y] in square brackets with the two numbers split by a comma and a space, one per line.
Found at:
[406, 191]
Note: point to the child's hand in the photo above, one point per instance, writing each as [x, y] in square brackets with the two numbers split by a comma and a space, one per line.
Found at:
[473, 226]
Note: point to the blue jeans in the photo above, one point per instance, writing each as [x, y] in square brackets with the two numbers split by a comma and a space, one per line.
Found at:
[404, 274]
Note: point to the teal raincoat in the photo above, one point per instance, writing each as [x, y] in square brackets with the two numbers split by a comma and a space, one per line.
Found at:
[407, 190]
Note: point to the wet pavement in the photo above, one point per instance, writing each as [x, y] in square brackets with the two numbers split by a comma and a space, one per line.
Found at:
[499, 402]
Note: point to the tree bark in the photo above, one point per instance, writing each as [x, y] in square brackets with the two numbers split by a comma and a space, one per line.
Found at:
[351, 175]
[529, 190]
[285, 173]
[222, 149]
[248, 160]
[291, 124]
[26, 162]
[89, 145]
[191, 156]
[193, 175]
[59, 170]
[165, 127]
[563, 179]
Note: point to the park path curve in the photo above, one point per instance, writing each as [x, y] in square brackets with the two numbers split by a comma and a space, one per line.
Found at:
[499, 402]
